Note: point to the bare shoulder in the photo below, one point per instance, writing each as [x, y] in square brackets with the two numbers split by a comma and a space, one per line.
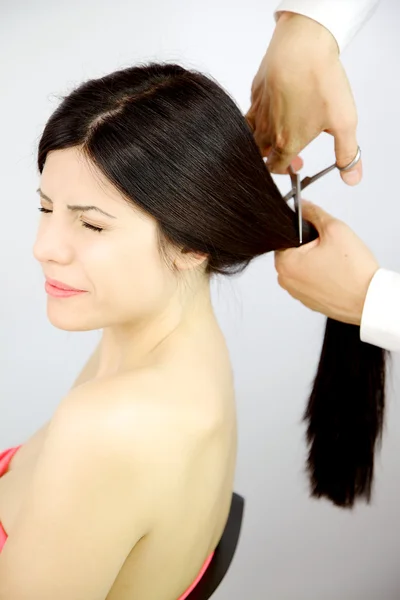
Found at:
[83, 487]
[112, 444]
[138, 413]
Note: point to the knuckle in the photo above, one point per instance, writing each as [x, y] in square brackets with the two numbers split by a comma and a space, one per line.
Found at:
[251, 122]
[278, 168]
[345, 158]
[284, 146]
[259, 132]
[283, 265]
[282, 282]
[262, 140]
[344, 120]
[346, 125]
[333, 228]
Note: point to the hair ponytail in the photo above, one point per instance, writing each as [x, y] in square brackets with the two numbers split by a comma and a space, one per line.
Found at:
[345, 416]
[345, 412]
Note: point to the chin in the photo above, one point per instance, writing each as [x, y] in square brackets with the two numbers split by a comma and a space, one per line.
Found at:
[69, 319]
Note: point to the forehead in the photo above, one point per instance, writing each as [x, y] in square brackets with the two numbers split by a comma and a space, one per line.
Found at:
[68, 176]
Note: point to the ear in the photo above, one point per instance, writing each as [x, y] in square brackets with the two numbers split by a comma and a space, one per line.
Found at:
[186, 259]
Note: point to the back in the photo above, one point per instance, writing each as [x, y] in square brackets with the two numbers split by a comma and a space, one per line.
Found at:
[196, 400]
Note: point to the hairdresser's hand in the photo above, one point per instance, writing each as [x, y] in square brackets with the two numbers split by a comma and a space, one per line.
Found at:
[332, 274]
[300, 90]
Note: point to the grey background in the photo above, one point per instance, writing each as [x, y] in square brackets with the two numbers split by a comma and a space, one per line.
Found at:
[292, 548]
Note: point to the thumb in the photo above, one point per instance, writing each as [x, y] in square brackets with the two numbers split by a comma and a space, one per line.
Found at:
[316, 215]
[345, 150]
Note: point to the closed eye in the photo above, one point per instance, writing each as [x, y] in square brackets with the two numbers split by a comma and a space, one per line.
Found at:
[87, 225]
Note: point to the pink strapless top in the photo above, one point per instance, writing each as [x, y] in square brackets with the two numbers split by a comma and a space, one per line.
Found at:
[5, 459]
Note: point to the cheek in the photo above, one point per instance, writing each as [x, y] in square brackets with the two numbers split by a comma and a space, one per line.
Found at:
[129, 276]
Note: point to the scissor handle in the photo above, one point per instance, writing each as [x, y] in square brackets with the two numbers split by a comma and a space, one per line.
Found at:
[307, 180]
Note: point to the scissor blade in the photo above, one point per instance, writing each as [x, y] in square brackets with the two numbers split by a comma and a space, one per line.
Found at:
[294, 178]
[297, 206]
[296, 191]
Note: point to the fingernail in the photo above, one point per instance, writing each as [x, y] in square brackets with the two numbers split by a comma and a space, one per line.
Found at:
[351, 177]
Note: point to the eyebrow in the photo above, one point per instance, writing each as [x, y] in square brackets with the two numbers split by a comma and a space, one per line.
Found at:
[76, 207]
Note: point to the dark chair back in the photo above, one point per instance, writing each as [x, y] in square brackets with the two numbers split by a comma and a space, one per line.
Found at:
[224, 553]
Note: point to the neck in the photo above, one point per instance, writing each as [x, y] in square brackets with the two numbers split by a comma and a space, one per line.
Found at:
[129, 345]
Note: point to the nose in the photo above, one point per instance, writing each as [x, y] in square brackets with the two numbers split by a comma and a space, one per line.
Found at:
[52, 244]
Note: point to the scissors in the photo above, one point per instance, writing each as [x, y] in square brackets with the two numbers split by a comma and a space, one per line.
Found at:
[299, 185]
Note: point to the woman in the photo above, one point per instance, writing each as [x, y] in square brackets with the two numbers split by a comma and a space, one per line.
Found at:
[151, 182]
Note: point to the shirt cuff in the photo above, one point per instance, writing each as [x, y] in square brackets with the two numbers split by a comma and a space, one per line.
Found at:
[343, 18]
[380, 321]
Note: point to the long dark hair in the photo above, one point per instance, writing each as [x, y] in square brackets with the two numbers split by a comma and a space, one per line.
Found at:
[172, 141]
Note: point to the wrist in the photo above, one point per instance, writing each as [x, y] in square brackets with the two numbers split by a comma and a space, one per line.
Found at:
[315, 33]
[361, 297]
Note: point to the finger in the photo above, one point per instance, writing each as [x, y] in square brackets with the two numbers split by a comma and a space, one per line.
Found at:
[262, 140]
[316, 215]
[297, 163]
[288, 262]
[256, 127]
[251, 120]
[285, 262]
[251, 114]
[282, 282]
[279, 159]
[345, 150]
[288, 265]
[283, 153]
[288, 285]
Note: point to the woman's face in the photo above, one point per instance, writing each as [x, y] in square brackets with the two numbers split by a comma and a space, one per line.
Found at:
[120, 268]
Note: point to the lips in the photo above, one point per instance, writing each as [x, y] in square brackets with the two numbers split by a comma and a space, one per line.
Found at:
[62, 286]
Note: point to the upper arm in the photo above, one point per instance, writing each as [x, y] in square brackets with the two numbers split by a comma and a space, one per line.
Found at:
[86, 507]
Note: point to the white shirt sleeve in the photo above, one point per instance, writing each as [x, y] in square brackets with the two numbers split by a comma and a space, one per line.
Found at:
[380, 322]
[343, 18]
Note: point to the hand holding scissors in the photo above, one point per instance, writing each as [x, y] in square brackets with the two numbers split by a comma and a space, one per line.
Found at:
[299, 185]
